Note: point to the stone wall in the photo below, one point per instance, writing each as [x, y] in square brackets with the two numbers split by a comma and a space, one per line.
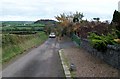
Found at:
[111, 56]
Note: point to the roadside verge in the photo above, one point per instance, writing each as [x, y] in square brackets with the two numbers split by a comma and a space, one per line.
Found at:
[14, 52]
[64, 64]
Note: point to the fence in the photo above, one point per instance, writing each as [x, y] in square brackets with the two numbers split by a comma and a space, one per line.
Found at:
[76, 39]
[111, 56]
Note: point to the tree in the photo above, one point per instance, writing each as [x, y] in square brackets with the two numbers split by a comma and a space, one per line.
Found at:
[116, 19]
[47, 29]
[116, 16]
[68, 22]
[97, 19]
[75, 19]
[116, 22]
[78, 15]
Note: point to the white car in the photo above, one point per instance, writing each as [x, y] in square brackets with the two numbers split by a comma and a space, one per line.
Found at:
[52, 35]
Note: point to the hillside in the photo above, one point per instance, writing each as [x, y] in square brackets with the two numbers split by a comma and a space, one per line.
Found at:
[14, 23]
[45, 21]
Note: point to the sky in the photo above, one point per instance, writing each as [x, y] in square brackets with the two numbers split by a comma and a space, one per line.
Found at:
[32, 10]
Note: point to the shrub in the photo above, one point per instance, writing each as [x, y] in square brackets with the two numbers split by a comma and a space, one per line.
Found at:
[100, 42]
[118, 33]
[13, 39]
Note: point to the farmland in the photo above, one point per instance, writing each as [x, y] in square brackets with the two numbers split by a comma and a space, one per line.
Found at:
[22, 27]
[20, 36]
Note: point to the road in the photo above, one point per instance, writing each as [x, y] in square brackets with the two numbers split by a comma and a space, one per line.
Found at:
[43, 61]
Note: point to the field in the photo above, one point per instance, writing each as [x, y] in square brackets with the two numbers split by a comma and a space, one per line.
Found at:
[18, 37]
[22, 27]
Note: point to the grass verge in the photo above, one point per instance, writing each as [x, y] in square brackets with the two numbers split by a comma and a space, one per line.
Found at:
[67, 62]
[10, 51]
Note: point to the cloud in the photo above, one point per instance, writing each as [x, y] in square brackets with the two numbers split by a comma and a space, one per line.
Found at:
[36, 9]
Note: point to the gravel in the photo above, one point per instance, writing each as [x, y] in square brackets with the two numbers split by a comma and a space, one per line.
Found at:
[88, 65]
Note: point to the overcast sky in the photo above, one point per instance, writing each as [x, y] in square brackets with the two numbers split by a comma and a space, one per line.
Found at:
[32, 10]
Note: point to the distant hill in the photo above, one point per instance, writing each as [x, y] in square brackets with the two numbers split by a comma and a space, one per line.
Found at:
[21, 23]
[14, 23]
[45, 21]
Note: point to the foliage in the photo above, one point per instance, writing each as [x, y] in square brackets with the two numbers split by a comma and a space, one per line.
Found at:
[97, 19]
[116, 19]
[15, 44]
[66, 22]
[97, 27]
[47, 29]
[117, 40]
[77, 16]
[100, 42]
[12, 39]
[25, 29]
[116, 16]
[118, 33]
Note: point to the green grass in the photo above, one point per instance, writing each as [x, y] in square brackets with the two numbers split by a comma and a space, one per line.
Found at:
[67, 62]
[0, 55]
[65, 59]
[10, 51]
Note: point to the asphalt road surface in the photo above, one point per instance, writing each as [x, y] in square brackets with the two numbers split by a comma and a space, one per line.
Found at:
[43, 61]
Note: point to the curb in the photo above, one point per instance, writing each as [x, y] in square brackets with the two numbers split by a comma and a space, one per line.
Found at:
[65, 67]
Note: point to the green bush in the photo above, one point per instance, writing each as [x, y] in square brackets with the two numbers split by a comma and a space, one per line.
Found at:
[13, 45]
[100, 42]
[118, 33]
[13, 39]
